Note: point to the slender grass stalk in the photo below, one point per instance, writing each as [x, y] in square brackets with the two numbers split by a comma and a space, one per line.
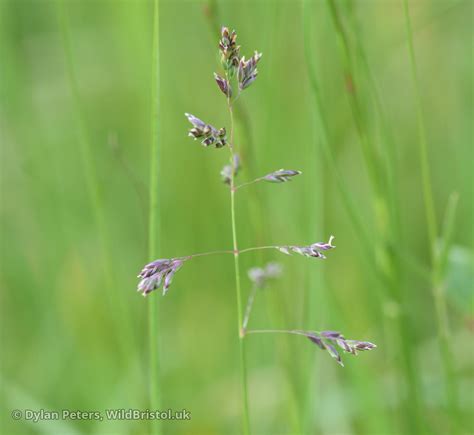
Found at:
[437, 261]
[243, 362]
[278, 331]
[122, 321]
[153, 223]
[315, 301]
[230, 251]
[248, 183]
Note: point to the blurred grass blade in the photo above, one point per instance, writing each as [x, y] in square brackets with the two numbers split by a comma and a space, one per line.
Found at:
[439, 288]
[447, 231]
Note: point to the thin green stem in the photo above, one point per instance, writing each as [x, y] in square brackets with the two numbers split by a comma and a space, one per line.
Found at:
[315, 302]
[243, 363]
[257, 248]
[205, 254]
[278, 331]
[153, 224]
[248, 183]
[229, 251]
[235, 251]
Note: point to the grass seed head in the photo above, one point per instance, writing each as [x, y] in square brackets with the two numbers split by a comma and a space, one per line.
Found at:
[281, 176]
[156, 273]
[247, 71]
[208, 134]
[224, 85]
[313, 250]
[328, 340]
[229, 50]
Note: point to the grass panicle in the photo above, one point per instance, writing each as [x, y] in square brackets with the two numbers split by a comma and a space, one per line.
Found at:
[161, 272]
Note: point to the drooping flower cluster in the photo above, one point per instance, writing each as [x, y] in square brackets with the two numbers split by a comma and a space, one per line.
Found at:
[281, 176]
[328, 340]
[158, 272]
[261, 275]
[208, 134]
[313, 250]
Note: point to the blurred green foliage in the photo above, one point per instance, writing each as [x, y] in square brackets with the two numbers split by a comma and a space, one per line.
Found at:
[74, 338]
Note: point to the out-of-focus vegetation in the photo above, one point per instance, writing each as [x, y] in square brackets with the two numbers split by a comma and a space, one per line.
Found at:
[74, 214]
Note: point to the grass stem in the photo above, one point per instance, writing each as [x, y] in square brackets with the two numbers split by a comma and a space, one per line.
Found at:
[243, 363]
[153, 224]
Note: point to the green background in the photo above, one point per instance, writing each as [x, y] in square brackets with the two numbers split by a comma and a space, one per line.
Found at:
[74, 215]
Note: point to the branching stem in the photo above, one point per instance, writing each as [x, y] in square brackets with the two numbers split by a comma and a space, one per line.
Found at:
[279, 331]
[228, 251]
[248, 183]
